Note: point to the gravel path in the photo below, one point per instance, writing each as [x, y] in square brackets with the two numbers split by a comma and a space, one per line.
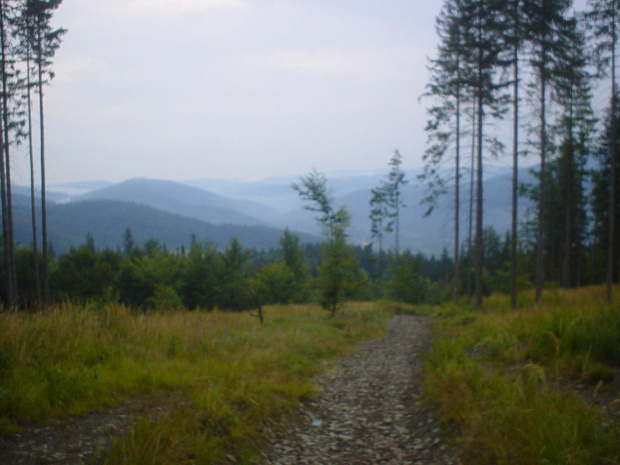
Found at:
[369, 411]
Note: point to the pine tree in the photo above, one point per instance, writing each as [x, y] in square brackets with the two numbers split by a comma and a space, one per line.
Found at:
[575, 126]
[392, 187]
[603, 21]
[338, 270]
[11, 129]
[44, 41]
[602, 181]
[447, 86]
[379, 221]
[22, 29]
[547, 44]
[475, 31]
[516, 30]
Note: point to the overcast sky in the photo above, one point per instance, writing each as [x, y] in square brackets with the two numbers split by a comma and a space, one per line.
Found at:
[184, 89]
[246, 89]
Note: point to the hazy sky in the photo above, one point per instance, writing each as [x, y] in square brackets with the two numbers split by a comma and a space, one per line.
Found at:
[183, 89]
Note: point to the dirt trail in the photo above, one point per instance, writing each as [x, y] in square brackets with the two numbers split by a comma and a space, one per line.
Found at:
[369, 412]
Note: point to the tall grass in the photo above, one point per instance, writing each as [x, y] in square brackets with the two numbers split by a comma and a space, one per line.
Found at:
[504, 379]
[235, 373]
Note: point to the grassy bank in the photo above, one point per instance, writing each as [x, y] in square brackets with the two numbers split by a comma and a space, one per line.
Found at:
[235, 373]
[514, 385]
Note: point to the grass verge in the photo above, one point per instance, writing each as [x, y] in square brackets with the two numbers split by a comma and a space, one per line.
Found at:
[505, 380]
[235, 373]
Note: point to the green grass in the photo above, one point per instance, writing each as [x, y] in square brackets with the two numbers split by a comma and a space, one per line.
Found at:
[502, 379]
[235, 373]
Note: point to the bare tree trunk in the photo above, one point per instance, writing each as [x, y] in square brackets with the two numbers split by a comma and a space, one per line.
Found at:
[515, 165]
[8, 204]
[568, 221]
[5, 218]
[471, 205]
[479, 192]
[45, 272]
[35, 248]
[612, 167]
[457, 182]
[397, 266]
[540, 263]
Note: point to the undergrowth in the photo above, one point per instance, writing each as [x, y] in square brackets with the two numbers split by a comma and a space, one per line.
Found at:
[237, 374]
[503, 380]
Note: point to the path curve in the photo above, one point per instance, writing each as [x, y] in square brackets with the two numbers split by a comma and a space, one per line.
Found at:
[369, 411]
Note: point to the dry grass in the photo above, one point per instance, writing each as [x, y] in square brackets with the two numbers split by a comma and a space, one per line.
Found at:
[503, 378]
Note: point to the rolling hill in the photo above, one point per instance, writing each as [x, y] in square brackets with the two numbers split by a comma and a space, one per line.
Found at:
[184, 200]
[106, 221]
[256, 212]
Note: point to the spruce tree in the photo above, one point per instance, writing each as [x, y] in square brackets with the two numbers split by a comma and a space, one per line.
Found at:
[516, 29]
[379, 221]
[547, 44]
[44, 41]
[12, 132]
[447, 87]
[22, 30]
[603, 19]
[574, 128]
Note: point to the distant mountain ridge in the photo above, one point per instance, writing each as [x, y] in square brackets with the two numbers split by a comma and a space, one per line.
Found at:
[271, 204]
[107, 220]
[184, 200]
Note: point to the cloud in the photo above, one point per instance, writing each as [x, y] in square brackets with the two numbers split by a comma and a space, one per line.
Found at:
[363, 63]
[76, 65]
[182, 6]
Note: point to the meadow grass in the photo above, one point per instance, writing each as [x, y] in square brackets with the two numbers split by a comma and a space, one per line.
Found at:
[235, 373]
[502, 379]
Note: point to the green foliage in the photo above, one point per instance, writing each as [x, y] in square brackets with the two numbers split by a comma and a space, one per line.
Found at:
[274, 284]
[234, 290]
[340, 277]
[24, 258]
[294, 259]
[142, 273]
[313, 188]
[84, 274]
[201, 277]
[410, 287]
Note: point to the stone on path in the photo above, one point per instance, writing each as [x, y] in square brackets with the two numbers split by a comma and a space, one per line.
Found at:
[369, 410]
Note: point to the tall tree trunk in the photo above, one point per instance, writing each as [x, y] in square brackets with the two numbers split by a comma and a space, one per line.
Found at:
[8, 229]
[380, 272]
[612, 165]
[35, 247]
[479, 193]
[470, 254]
[515, 163]
[540, 264]
[44, 268]
[457, 199]
[396, 268]
[479, 199]
[568, 220]
[5, 219]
